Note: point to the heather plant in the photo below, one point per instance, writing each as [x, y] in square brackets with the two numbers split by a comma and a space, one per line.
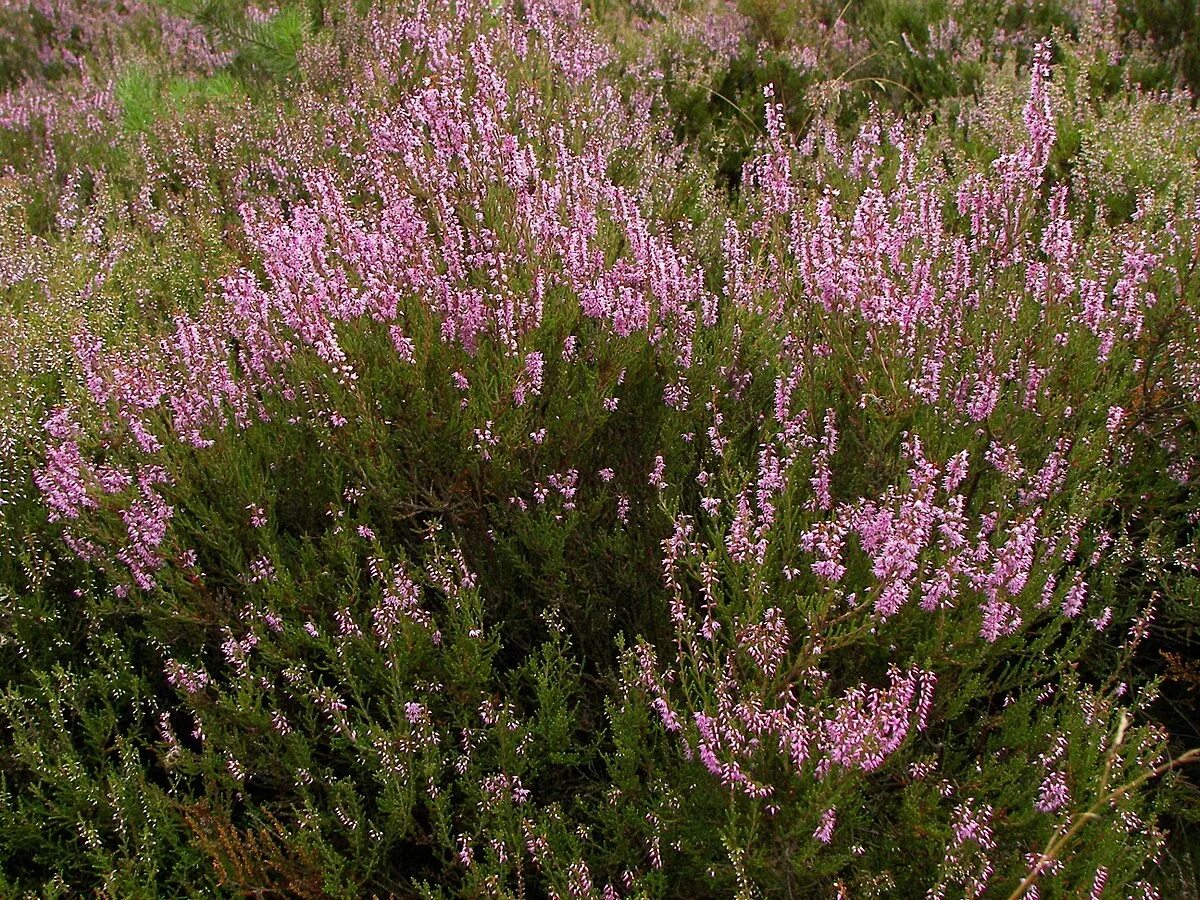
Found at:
[435, 475]
[1172, 27]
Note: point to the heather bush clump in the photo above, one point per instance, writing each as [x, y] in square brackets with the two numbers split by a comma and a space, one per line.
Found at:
[464, 448]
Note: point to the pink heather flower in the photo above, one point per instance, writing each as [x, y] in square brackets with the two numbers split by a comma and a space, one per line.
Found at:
[529, 383]
[739, 541]
[868, 725]
[235, 768]
[405, 348]
[1116, 415]
[168, 736]
[347, 627]
[237, 652]
[146, 520]
[190, 680]
[261, 569]
[1005, 460]
[766, 642]
[466, 856]
[677, 395]
[113, 480]
[565, 483]
[922, 768]
[821, 482]
[485, 440]
[656, 474]
[503, 788]
[973, 826]
[579, 880]
[1048, 592]
[669, 719]
[536, 844]
[1053, 794]
[984, 398]
[1073, 603]
[1000, 618]
[824, 832]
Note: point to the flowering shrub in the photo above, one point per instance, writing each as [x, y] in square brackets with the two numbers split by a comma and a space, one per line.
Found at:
[431, 476]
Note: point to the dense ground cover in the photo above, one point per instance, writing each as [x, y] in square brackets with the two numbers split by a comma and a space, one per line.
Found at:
[662, 448]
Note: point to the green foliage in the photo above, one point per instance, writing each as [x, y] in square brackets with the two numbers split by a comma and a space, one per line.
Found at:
[1172, 25]
[137, 91]
[84, 799]
[387, 654]
[264, 46]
